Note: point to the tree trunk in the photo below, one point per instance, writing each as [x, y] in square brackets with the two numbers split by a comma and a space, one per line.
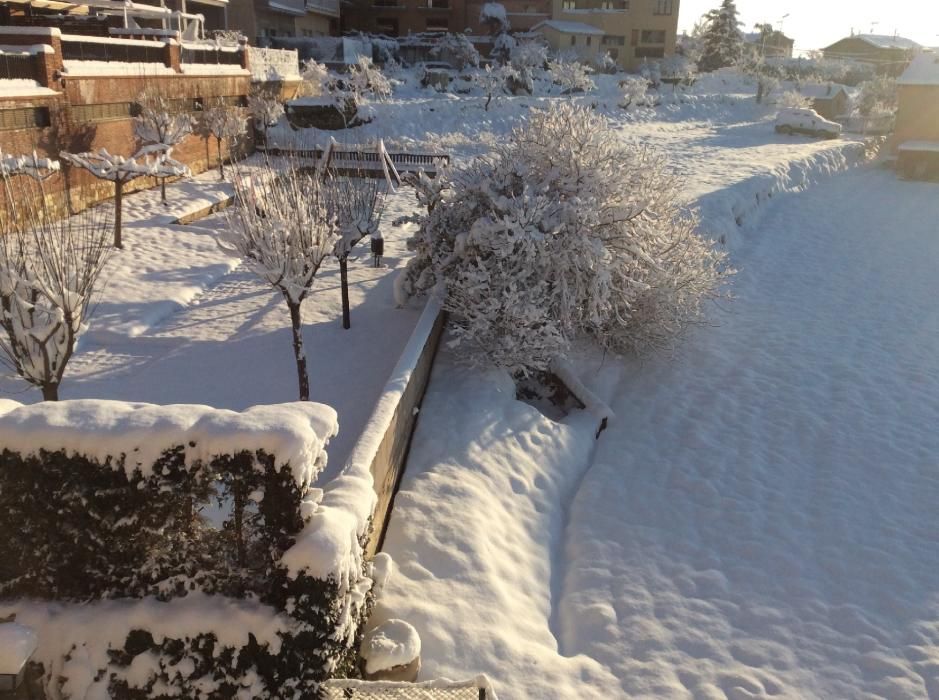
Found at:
[298, 353]
[344, 287]
[118, 207]
[163, 190]
[221, 163]
[50, 392]
[488, 100]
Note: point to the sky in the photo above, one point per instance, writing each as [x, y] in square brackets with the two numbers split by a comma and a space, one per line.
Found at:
[815, 24]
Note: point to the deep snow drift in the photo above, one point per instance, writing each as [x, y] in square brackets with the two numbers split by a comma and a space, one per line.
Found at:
[759, 519]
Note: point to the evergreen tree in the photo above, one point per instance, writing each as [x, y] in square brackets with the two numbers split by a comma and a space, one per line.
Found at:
[723, 41]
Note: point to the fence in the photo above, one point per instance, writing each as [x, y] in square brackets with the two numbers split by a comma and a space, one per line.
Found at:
[219, 56]
[81, 48]
[273, 64]
[17, 66]
[341, 689]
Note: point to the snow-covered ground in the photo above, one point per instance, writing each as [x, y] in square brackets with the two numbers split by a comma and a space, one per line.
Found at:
[759, 519]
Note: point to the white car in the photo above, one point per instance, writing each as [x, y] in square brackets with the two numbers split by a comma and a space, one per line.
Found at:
[806, 121]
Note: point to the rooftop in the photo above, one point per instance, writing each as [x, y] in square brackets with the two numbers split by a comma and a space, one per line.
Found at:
[882, 41]
[924, 70]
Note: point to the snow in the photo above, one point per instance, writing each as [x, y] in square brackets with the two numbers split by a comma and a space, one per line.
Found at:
[923, 70]
[758, 520]
[922, 146]
[887, 41]
[294, 434]
[77, 69]
[89, 39]
[17, 643]
[21, 87]
[568, 27]
[212, 69]
[25, 50]
[393, 643]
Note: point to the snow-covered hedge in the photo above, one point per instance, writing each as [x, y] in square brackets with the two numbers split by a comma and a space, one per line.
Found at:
[166, 504]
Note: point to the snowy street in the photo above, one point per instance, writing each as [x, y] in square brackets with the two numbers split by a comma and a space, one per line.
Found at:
[760, 518]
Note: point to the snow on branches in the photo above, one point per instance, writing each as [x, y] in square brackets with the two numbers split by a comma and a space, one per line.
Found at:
[281, 226]
[458, 50]
[160, 123]
[564, 231]
[366, 79]
[49, 267]
[265, 107]
[493, 81]
[33, 166]
[571, 75]
[226, 124]
[149, 161]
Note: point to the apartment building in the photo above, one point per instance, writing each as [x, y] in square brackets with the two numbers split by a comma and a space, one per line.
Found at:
[262, 20]
[631, 31]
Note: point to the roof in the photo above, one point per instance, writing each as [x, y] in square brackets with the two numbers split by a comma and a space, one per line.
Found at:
[569, 27]
[881, 41]
[924, 70]
[822, 92]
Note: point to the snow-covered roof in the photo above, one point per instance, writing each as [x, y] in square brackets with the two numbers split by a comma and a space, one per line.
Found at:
[924, 70]
[882, 41]
[569, 27]
[822, 92]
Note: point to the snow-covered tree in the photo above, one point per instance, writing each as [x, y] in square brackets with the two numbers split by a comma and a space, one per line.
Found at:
[357, 204]
[161, 123]
[457, 49]
[877, 96]
[722, 39]
[33, 166]
[492, 81]
[564, 231]
[49, 270]
[502, 47]
[529, 57]
[792, 99]
[367, 80]
[677, 70]
[571, 75]
[314, 78]
[149, 161]
[281, 226]
[226, 124]
[265, 107]
[634, 90]
[764, 74]
[493, 16]
[605, 63]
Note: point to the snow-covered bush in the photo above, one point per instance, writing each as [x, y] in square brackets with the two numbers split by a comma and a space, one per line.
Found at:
[315, 78]
[652, 73]
[110, 500]
[367, 80]
[529, 57]
[564, 231]
[677, 70]
[149, 161]
[502, 47]
[766, 75]
[458, 50]
[161, 122]
[226, 124]
[634, 90]
[50, 269]
[605, 64]
[571, 75]
[792, 99]
[877, 96]
[494, 81]
[265, 107]
[282, 228]
[493, 15]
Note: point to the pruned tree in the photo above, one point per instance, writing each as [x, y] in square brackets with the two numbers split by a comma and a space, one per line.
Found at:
[357, 204]
[265, 107]
[566, 231]
[161, 123]
[50, 267]
[282, 228]
[226, 124]
[722, 39]
[571, 75]
[766, 76]
[493, 81]
[33, 166]
[150, 161]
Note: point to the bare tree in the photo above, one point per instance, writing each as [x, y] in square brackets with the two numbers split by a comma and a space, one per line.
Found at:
[265, 107]
[281, 226]
[150, 161]
[161, 123]
[49, 270]
[357, 204]
[225, 123]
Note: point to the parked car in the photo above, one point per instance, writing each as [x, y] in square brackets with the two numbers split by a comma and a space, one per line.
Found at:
[806, 121]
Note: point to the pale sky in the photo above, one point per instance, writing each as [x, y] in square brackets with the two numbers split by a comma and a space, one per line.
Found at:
[815, 24]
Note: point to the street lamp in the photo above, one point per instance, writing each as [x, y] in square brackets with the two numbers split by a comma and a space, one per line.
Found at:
[17, 644]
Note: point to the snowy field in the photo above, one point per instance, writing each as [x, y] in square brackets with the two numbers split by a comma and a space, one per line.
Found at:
[758, 521]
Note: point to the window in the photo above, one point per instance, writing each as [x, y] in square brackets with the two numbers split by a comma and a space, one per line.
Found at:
[568, 5]
[635, 35]
[386, 3]
[24, 118]
[102, 112]
[663, 7]
[387, 26]
[650, 52]
[589, 40]
[613, 40]
[653, 36]
[615, 5]
[437, 24]
[573, 41]
[438, 4]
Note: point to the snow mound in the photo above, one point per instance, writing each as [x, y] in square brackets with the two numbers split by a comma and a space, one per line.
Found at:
[17, 643]
[295, 434]
[392, 643]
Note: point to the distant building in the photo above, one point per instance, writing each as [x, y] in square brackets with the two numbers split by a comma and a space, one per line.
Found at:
[400, 18]
[888, 54]
[771, 44]
[829, 100]
[262, 20]
[916, 136]
[583, 39]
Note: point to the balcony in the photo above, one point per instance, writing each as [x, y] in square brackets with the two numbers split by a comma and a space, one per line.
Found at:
[324, 7]
[434, 5]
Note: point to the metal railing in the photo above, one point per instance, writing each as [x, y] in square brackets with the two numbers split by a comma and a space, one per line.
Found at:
[17, 66]
[211, 56]
[103, 50]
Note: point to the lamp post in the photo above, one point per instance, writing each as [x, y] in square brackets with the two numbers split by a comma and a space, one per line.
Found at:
[17, 644]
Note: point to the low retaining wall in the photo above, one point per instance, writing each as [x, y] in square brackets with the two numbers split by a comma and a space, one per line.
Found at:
[386, 438]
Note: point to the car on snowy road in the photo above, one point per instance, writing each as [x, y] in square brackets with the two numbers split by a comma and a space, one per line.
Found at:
[806, 121]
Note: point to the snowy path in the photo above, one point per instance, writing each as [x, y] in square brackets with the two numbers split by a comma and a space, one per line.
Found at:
[759, 521]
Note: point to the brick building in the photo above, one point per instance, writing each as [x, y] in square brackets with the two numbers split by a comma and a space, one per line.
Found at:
[916, 135]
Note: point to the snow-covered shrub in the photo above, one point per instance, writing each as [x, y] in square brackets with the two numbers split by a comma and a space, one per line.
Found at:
[493, 15]
[877, 96]
[494, 81]
[282, 228]
[502, 47]
[766, 75]
[571, 75]
[315, 78]
[161, 122]
[458, 50]
[652, 73]
[225, 123]
[605, 64]
[108, 500]
[50, 269]
[634, 91]
[564, 231]
[367, 80]
[677, 70]
[529, 57]
[792, 99]
[265, 107]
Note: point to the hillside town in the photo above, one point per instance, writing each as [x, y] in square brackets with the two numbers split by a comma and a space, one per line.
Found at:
[466, 349]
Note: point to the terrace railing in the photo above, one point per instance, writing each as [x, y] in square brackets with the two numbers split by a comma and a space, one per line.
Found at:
[86, 48]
